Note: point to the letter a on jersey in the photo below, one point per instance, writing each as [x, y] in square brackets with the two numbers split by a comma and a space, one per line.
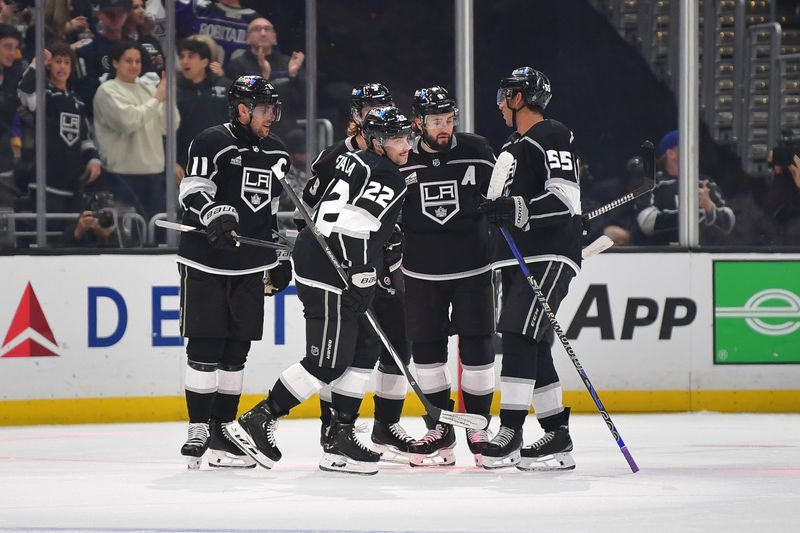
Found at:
[439, 200]
[29, 331]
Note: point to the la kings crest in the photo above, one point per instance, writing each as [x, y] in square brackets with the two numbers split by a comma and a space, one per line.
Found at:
[439, 200]
[256, 187]
[70, 128]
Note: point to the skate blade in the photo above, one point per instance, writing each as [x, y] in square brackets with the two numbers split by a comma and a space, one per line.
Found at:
[492, 463]
[242, 440]
[478, 458]
[390, 454]
[223, 459]
[444, 457]
[547, 463]
[193, 463]
[339, 463]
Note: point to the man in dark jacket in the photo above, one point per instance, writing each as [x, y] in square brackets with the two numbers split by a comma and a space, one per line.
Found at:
[202, 95]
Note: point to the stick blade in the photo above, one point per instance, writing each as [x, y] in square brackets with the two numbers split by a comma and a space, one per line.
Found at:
[602, 243]
[463, 420]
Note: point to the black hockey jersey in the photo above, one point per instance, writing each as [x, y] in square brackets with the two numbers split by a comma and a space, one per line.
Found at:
[541, 166]
[69, 144]
[225, 169]
[322, 170]
[446, 236]
[356, 214]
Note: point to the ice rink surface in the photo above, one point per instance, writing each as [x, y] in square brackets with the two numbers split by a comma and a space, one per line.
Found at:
[699, 472]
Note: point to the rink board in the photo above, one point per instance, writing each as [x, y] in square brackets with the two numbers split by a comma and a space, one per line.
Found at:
[95, 338]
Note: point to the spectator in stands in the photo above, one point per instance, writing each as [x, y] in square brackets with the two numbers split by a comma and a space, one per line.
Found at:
[91, 230]
[263, 58]
[129, 122]
[216, 53]
[223, 20]
[139, 26]
[659, 220]
[286, 73]
[59, 23]
[9, 79]
[782, 200]
[71, 153]
[202, 96]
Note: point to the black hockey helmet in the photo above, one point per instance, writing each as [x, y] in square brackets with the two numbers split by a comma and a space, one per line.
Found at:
[251, 91]
[432, 101]
[530, 82]
[369, 94]
[384, 123]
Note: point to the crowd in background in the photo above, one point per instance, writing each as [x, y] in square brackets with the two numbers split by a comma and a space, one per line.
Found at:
[106, 118]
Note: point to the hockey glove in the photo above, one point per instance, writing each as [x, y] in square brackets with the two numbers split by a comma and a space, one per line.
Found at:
[278, 278]
[361, 289]
[393, 249]
[221, 222]
[506, 211]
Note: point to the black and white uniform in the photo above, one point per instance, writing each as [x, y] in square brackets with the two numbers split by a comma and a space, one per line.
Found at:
[540, 166]
[222, 290]
[446, 262]
[356, 214]
[387, 305]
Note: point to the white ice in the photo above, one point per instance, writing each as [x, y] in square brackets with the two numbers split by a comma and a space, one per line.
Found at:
[699, 472]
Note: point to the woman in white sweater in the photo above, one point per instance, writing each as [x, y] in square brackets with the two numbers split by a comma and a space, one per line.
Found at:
[129, 123]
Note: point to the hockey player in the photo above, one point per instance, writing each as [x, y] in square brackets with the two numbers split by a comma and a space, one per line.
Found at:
[357, 214]
[542, 211]
[446, 263]
[229, 189]
[388, 435]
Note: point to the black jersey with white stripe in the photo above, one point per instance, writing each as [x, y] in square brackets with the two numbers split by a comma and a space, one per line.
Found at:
[541, 166]
[446, 236]
[356, 214]
[225, 169]
[322, 170]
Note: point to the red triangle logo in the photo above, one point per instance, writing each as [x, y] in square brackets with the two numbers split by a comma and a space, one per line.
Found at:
[29, 314]
[29, 348]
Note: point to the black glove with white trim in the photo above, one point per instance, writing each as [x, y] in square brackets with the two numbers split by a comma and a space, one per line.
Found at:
[506, 211]
[221, 222]
[393, 249]
[360, 289]
[277, 278]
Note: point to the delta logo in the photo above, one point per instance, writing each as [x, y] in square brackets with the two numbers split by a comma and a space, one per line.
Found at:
[29, 334]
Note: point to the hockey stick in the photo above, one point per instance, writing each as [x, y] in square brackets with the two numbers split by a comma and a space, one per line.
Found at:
[649, 162]
[466, 420]
[166, 224]
[599, 245]
[494, 189]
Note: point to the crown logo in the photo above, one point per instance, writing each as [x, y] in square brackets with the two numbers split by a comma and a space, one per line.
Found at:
[440, 212]
[255, 199]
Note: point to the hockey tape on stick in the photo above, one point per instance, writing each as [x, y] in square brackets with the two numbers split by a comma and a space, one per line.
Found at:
[648, 153]
[564, 342]
[166, 224]
[601, 244]
[503, 171]
[466, 420]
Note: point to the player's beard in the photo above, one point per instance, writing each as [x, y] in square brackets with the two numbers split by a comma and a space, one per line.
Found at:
[433, 142]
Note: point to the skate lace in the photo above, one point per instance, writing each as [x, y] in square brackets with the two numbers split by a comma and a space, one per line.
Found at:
[544, 440]
[478, 435]
[357, 440]
[198, 433]
[397, 430]
[269, 429]
[504, 436]
[433, 435]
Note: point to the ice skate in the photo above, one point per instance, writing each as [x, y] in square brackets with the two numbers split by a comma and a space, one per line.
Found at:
[392, 442]
[552, 451]
[476, 440]
[503, 450]
[343, 452]
[436, 447]
[254, 434]
[224, 453]
[196, 444]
